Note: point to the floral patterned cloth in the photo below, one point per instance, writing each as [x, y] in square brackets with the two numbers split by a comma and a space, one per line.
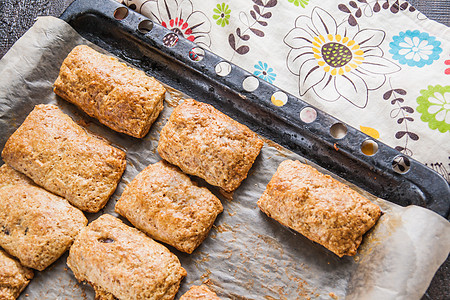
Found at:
[379, 65]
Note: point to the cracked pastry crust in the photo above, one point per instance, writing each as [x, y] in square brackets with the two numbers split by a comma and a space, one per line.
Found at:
[164, 203]
[199, 292]
[123, 98]
[122, 262]
[318, 206]
[36, 226]
[13, 277]
[206, 143]
[57, 154]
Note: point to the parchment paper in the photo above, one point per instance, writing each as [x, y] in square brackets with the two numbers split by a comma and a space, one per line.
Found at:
[247, 255]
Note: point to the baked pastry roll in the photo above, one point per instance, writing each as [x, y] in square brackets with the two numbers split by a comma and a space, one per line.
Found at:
[13, 277]
[57, 154]
[206, 143]
[321, 208]
[201, 292]
[123, 98]
[120, 261]
[164, 203]
[36, 226]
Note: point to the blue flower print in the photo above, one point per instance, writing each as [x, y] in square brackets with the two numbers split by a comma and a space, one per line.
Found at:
[263, 71]
[415, 48]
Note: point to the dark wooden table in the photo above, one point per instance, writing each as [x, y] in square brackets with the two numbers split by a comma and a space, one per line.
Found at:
[16, 16]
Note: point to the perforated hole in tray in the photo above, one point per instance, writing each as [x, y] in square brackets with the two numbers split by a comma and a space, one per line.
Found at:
[279, 98]
[308, 115]
[170, 40]
[121, 13]
[145, 26]
[369, 147]
[250, 83]
[196, 54]
[401, 164]
[338, 130]
[223, 68]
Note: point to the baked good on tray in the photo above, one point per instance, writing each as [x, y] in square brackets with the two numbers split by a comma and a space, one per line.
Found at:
[120, 97]
[13, 277]
[318, 206]
[9, 176]
[120, 261]
[206, 143]
[36, 226]
[57, 154]
[199, 292]
[164, 203]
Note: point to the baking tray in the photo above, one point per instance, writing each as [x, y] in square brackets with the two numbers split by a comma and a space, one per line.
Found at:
[98, 22]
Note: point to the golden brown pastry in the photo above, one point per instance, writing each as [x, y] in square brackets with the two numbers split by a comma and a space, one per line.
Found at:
[9, 176]
[36, 226]
[201, 292]
[122, 98]
[57, 154]
[204, 142]
[321, 208]
[164, 203]
[120, 261]
[13, 277]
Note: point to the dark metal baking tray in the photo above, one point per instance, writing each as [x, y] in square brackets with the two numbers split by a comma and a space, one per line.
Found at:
[95, 21]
